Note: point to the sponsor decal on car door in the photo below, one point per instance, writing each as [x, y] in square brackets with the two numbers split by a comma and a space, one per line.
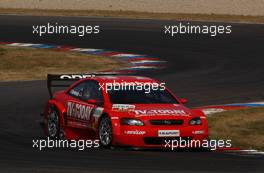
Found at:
[79, 114]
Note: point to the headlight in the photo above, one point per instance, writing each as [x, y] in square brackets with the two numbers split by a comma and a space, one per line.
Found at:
[131, 122]
[195, 121]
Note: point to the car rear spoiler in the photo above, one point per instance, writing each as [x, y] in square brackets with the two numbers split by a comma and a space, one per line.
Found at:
[51, 78]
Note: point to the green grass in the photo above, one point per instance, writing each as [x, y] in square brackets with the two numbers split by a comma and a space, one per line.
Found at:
[244, 127]
[137, 15]
[19, 63]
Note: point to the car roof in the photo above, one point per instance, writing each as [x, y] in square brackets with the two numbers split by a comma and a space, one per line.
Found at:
[122, 78]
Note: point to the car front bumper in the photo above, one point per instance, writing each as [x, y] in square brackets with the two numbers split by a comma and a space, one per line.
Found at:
[146, 136]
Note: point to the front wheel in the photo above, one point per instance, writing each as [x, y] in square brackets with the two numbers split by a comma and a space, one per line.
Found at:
[105, 132]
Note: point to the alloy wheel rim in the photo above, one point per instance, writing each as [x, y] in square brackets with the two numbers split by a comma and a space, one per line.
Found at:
[105, 133]
[52, 124]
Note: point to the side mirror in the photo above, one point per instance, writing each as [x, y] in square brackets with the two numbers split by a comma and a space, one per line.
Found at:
[92, 101]
[95, 102]
[183, 101]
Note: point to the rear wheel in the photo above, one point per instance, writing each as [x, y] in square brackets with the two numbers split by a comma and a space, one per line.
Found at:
[105, 132]
[53, 126]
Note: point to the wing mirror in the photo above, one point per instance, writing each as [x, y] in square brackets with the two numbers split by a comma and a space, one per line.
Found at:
[183, 101]
[92, 101]
[95, 102]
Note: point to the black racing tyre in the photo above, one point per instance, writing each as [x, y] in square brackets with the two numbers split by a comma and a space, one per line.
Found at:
[53, 124]
[105, 132]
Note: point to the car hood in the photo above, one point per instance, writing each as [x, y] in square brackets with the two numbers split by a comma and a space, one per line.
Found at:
[151, 110]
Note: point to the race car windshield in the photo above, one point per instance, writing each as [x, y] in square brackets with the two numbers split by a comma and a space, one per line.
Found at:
[141, 97]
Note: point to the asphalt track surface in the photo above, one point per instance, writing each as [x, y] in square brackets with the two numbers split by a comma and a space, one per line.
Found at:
[206, 70]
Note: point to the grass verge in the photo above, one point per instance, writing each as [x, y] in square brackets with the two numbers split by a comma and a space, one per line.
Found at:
[138, 15]
[21, 63]
[244, 127]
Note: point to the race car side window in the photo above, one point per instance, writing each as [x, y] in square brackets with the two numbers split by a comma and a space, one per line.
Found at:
[91, 91]
[77, 90]
[86, 90]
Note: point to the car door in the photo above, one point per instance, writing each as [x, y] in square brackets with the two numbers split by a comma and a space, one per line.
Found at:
[84, 99]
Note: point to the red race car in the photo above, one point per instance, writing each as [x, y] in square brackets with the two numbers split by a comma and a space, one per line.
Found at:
[119, 110]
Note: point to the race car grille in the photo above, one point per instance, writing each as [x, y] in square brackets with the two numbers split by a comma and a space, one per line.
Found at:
[161, 140]
[166, 122]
